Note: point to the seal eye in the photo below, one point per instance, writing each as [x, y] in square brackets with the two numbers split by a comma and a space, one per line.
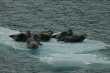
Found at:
[11, 36]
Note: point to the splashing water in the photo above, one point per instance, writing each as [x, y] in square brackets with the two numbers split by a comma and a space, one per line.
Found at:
[59, 53]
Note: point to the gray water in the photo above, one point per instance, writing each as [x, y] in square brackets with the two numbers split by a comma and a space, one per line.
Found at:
[88, 16]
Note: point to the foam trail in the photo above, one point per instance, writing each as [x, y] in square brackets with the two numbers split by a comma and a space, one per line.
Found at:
[108, 45]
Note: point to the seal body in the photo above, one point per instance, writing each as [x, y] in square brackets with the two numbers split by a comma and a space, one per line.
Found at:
[21, 37]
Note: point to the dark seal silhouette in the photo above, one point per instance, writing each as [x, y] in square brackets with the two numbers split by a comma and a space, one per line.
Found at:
[45, 35]
[69, 36]
[32, 41]
[21, 37]
[32, 44]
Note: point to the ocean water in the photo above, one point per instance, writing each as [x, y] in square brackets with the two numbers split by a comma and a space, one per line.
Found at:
[84, 16]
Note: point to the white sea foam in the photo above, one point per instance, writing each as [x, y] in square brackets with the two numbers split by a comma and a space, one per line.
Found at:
[69, 54]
